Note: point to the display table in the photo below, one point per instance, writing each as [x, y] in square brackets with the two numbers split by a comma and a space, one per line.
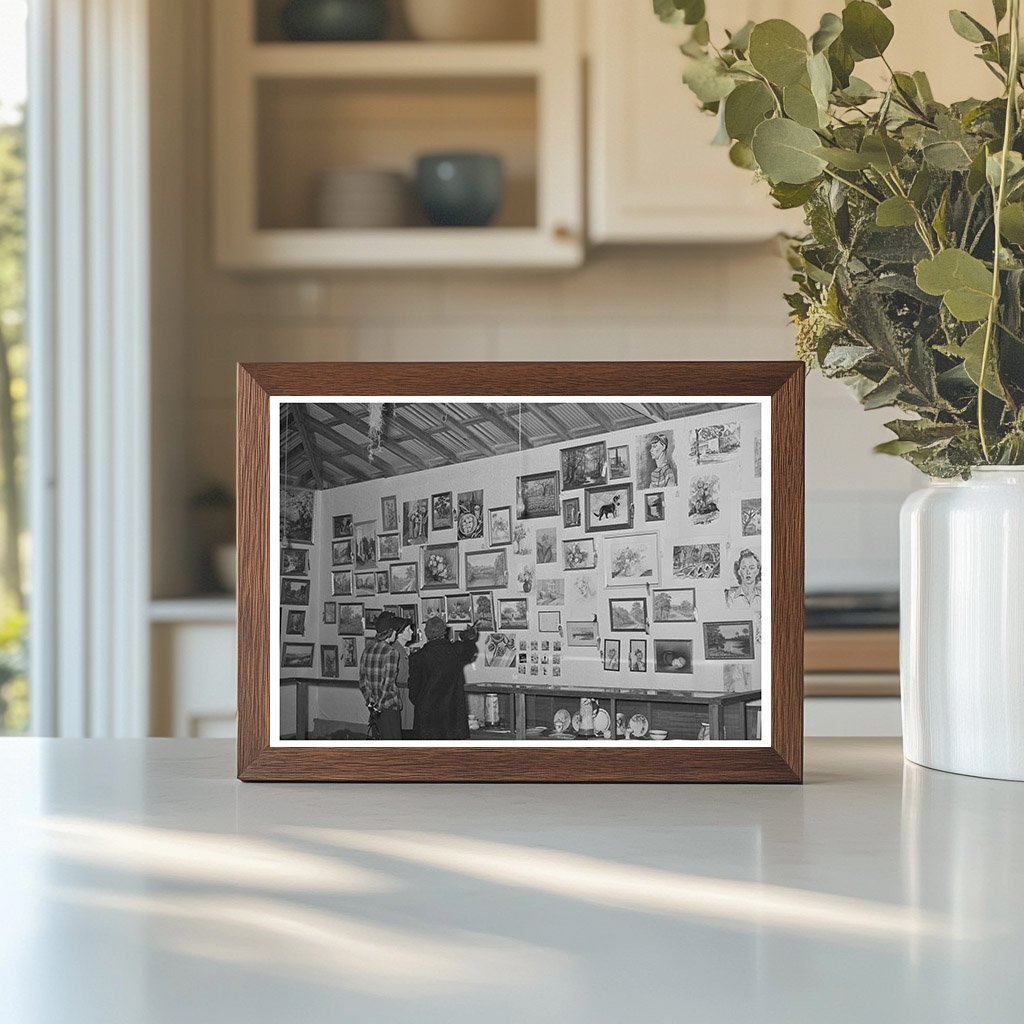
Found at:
[142, 883]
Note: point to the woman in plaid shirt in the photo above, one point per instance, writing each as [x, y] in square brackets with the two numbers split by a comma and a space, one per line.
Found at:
[378, 679]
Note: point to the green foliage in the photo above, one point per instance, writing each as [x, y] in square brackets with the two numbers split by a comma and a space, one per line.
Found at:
[904, 290]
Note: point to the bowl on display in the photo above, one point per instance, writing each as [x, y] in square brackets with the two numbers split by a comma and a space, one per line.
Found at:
[659, 734]
[334, 21]
[450, 21]
[361, 197]
[460, 189]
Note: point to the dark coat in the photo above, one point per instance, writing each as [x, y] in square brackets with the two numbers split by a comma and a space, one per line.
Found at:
[437, 689]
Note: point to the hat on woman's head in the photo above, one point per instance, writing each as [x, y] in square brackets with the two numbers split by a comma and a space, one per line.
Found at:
[435, 627]
[386, 623]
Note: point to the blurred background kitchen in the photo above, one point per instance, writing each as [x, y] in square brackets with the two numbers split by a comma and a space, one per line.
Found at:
[362, 180]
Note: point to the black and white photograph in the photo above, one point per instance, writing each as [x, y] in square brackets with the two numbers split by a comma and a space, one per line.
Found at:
[296, 515]
[585, 546]
[294, 561]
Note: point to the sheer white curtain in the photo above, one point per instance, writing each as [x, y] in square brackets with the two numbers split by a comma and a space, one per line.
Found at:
[89, 343]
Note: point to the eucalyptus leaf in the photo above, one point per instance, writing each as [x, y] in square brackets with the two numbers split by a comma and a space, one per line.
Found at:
[883, 153]
[785, 152]
[741, 155]
[963, 281]
[745, 108]
[895, 212]
[969, 28]
[866, 29]
[946, 156]
[972, 352]
[999, 8]
[829, 30]
[779, 51]
[739, 41]
[708, 81]
[844, 159]
[789, 197]
[1012, 223]
[800, 105]
[676, 12]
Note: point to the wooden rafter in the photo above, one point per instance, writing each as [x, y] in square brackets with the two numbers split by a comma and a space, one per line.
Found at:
[424, 438]
[339, 441]
[517, 437]
[312, 454]
[393, 444]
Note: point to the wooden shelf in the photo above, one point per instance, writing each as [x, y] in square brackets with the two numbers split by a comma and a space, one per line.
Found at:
[393, 60]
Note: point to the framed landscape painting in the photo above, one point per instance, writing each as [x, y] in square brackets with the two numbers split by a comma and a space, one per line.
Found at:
[515, 514]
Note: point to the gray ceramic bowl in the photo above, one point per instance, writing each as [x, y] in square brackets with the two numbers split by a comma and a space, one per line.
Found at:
[460, 189]
[334, 20]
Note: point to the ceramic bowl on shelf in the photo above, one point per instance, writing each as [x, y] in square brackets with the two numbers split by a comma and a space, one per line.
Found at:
[460, 189]
[334, 21]
[659, 734]
[361, 197]
[464, 21]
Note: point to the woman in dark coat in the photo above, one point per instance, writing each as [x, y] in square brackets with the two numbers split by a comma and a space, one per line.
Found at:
[437, 682]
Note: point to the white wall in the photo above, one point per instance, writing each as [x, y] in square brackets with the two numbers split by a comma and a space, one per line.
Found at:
[496, 476]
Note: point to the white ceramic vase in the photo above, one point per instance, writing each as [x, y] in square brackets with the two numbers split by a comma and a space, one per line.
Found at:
[962, 624]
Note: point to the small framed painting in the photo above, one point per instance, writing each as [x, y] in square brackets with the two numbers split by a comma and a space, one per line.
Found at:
[405, 578]
[389, 514]
[441, 566]
[581, 634]
[341, 583]
[513, 613]
[341, 552]
[608, 508]
[295, 592]
[487, 569]
[628, 614]
[295, 655]
[537, 495]
[579, 554]
[631, 560]
[329, 665]
[583, 465]
[389, 547]
[532, 502]
[499, 526]
[294, 561]
[549, 621]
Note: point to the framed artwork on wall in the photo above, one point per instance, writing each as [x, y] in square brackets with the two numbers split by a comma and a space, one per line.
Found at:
[713, 453]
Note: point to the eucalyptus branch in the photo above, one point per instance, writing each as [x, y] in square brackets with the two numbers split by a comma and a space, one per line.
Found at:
[1000, 198]
[853, 185]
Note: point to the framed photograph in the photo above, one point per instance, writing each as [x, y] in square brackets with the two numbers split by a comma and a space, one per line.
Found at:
[389, 514]
[750, 517]
[294, 561]
[654, 507]
[350, 619]
[499, 526]
[549, 621]
[581, 634]
[537, 495]
[487, 569]
[370, 616]
[610, 655]
[441, 515]
[341, 583]
[609, 507]
[628, 614]
[389, 547]
[330, 613]
[631, 560]
[295, 655]
[441, 566]
[432, 606]
[729, 641]
[674, 656]
[295, 622]
[414, 521]
[405, 578]
[637, 655]
[483, 612]
[497, 453]
[583, 465]
[296, 505]
[471, 515]
[571, 515]
[365, 583]
[675, 605]
[383, 578]
[329, 664]
[513, 613]
[295, 592]
[458, 608]
[579, 554]
[341, 552]
[618, 462]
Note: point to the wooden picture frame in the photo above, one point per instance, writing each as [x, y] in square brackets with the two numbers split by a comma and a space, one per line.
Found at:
[779, 389]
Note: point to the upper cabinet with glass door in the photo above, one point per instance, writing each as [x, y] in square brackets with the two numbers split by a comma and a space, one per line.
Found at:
[653, 174]
[318, 136]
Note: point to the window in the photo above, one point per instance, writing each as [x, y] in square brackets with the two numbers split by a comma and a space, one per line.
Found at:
[14, 547]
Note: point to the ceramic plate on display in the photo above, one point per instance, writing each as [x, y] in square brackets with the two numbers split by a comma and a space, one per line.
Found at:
[561, 736]
[602, 721]
[562, 720]
[638, 725]
[576, 722]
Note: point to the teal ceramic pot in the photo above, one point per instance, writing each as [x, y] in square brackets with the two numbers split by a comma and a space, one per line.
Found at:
[331, 21]
[460, 189]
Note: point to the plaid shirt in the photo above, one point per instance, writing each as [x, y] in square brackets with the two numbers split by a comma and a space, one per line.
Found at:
[378, 676]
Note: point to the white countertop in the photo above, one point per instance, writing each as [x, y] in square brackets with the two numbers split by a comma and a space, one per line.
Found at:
[142, 884]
